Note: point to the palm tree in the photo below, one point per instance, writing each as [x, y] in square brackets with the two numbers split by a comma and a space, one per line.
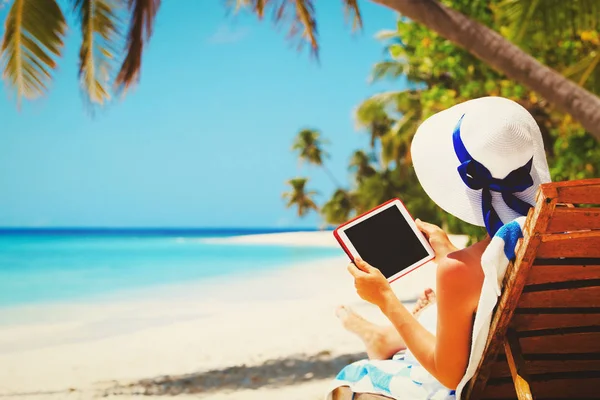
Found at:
[482, 42]
[299, 197]
[338, 209]
[34, 38]
[360, 164]
[402, 113]
[30, 48]
[309, 145]
[506, 57]
[372, 116]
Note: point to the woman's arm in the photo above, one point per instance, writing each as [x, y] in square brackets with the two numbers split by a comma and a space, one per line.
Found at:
[446, 354]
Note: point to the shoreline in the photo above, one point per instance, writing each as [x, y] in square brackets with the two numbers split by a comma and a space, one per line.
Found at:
[322, 238]
[184, 329]
[128, 344]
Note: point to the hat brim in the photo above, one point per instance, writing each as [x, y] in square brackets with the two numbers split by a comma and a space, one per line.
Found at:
[436, 164]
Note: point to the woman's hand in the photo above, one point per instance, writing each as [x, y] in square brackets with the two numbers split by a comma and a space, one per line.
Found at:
[370, 283]
[438, 239]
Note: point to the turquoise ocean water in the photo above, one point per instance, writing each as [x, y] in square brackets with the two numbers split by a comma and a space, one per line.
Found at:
[41, 266]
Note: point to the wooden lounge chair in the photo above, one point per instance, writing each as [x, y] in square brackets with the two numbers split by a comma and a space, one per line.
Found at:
[547, 322]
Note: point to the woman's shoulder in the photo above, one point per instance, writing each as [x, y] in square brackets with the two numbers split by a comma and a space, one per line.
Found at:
[460, 273]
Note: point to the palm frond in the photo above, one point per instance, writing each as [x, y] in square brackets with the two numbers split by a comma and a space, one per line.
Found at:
[352, 11]
[100, 31]
[390, 69]
[548, 16]
[303, 23]
[379, 105]
[595, 59]
[141, 25]
[298, 15]
[586, 72]
[387, 34]
[33, 40]
[257, 6]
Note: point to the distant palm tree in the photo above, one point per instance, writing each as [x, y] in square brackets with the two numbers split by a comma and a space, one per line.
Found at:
[398, 114]
[338, 209]
[373, 117]
[309, 145]
[360, 164]
[299, 197]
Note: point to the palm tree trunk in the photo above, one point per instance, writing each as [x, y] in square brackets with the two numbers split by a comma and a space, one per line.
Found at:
[504, 56]
[328, 172]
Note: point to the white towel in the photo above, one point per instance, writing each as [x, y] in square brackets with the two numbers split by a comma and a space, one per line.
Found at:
[494, 262]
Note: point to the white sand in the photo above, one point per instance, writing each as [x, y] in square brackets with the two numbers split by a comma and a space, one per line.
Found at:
[316, 239]
[48, 349]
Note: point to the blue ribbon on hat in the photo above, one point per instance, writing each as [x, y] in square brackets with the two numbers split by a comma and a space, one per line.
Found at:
[476, 176]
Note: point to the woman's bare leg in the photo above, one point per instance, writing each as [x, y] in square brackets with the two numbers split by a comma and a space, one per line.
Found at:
[342, 393]
[381, 342]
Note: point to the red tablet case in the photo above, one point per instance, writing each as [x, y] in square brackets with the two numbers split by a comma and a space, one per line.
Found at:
[337, 236]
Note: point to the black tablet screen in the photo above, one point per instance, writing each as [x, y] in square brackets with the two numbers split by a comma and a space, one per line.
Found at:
[387, 242]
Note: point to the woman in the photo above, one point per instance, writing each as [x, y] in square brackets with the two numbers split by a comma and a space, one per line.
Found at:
[482, 161]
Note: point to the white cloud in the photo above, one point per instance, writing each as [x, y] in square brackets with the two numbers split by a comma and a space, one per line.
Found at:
[226, 34]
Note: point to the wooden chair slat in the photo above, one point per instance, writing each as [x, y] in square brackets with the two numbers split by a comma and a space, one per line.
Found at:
[516, 365]
[583, 297]
[570, 245]
[537, 221]
[501, 369]
[531, 322]
[575, 192]
[562, 273]
[587, 342]
[574, 219]
[558, 319]
[583, 388]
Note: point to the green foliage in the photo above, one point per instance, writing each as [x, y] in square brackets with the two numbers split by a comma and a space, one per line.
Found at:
[339, 208]
[441, 75]
[576, 156]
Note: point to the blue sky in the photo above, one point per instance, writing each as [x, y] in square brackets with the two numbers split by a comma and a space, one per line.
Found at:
[204, 140]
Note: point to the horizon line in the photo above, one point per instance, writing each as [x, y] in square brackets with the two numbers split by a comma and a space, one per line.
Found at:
[158, 228]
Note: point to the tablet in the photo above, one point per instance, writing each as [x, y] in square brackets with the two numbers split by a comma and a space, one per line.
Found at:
[387, 238]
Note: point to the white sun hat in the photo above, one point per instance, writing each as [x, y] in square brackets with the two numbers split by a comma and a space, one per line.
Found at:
[482, 160]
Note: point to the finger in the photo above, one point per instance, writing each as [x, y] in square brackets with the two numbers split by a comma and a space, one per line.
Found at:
[354, 271]
[422, 225]
[362, 265]
[427, 228]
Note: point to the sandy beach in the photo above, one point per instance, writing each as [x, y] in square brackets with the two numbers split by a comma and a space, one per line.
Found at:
[266, 335]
